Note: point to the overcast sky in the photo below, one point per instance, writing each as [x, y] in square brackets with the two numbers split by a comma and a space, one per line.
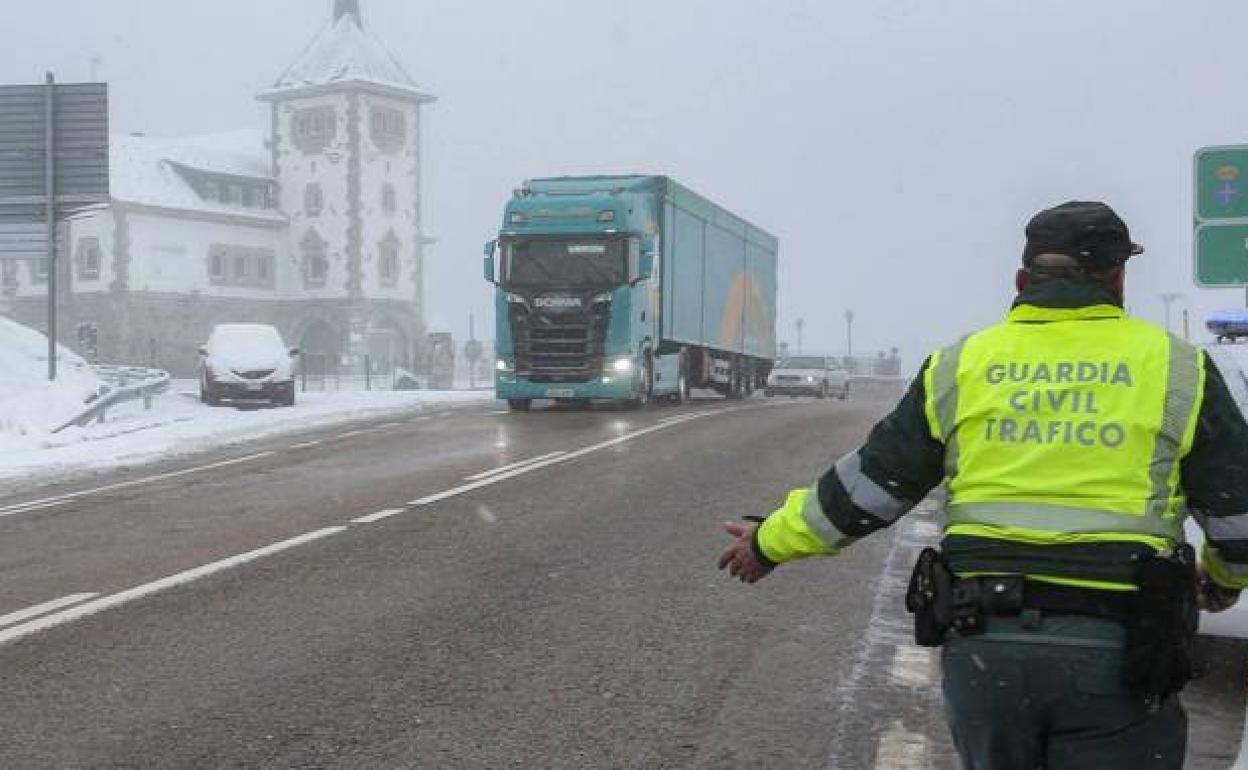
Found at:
[896, 147]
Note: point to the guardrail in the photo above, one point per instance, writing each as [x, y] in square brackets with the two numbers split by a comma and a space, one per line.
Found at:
[125, 383]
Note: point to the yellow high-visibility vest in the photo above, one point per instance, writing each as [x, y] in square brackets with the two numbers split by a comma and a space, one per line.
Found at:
[1066, 426]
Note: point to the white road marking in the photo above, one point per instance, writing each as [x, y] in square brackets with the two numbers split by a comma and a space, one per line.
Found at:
[504, 468]
[48, 502]
[511, 474]
[378, 516]
[349, 433]
[900, 749]
[501, 411]
[912, 666]
[42, 609]
[389, 425]
[147, 589]
[306, 444]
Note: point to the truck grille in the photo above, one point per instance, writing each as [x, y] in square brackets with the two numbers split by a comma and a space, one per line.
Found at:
[559, 346]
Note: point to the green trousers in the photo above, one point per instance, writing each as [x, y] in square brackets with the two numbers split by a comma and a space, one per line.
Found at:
[1047, 693]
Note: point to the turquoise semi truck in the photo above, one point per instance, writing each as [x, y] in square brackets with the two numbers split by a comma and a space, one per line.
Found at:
[628, 288]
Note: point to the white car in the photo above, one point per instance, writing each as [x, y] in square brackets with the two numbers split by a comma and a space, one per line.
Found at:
[818, 376]
[246, 362]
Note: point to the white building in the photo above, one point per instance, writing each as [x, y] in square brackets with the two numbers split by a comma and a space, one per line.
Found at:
[313, 226]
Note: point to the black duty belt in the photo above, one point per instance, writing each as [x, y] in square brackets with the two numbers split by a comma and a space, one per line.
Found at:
[1010, 595]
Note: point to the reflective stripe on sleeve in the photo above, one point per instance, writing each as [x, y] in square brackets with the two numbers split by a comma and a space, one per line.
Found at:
[866, 494]
[1225, 527]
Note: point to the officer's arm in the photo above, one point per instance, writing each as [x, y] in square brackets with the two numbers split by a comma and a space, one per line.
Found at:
[1215, 480]
[866, 490]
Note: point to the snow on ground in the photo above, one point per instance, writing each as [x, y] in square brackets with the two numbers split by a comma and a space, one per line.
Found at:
[31, 406]
[179, 424]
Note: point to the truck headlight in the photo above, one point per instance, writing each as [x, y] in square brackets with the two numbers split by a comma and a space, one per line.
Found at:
[502, 365]
[622, 365]
[809, 378]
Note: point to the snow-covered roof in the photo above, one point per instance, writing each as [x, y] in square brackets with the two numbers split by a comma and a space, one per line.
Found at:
[145, 171]
[345, 53]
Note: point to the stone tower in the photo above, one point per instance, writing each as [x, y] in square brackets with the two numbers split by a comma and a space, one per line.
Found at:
[346, 155]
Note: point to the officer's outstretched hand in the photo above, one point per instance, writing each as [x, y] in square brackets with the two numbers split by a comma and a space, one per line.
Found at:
[739, 558]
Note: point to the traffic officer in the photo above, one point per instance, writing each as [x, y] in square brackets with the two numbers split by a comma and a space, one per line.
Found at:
[1072, 441]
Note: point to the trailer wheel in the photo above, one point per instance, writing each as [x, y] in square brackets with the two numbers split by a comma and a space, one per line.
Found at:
[682, 381]
[519, 404]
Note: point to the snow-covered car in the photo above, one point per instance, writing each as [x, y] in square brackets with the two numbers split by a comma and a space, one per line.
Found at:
[818, 376]
[246, 362]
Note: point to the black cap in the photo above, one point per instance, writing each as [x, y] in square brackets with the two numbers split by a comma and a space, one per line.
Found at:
[1088, 231]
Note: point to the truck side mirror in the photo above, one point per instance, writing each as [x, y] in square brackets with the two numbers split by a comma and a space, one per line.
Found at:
[489, 261]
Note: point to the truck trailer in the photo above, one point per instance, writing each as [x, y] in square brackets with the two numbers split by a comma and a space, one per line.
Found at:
[628, 288]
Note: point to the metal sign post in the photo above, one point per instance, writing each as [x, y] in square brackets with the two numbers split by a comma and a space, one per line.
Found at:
[49, 176]
[53, 162]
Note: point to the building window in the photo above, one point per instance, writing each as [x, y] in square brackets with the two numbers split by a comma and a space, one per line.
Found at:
[313, 200]
[8, 276]
[240, 267]
[389, 198]
[314, 128]
[388, 128]
[388, 262]
[89, 258]
[251, 197]
[315, 263]
[216, 266]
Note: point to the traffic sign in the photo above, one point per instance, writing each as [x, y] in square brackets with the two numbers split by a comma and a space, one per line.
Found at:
[1222, 183]
[1222, 254]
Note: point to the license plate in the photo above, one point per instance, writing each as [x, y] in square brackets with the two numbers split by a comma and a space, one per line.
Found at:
[560, 393]
[255, 386]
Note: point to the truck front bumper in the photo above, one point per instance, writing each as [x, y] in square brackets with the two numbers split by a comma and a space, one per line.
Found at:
[612, 388]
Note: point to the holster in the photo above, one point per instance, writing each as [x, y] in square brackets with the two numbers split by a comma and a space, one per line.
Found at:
[930, 598]
[1161, 627]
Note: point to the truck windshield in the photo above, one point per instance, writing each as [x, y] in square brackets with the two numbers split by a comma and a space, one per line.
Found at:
[565, 262]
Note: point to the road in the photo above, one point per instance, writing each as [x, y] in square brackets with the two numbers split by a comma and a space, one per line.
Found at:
[401, 593]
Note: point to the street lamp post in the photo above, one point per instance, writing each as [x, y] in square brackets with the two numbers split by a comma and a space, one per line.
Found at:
[800, 324]
[1167, 298]
[849, 334]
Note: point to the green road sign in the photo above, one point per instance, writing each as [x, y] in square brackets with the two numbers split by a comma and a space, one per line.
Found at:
[1222, 254]
[1222, 183]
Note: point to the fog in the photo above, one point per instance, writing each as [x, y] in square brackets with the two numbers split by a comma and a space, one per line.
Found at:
[895, 147]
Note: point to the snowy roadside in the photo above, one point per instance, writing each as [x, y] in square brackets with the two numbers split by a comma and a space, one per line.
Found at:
[178, 424]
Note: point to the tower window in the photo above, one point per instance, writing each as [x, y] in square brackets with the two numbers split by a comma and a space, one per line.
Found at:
[388, 263]
[314, 128]
[315, 263]
[313, 200]
[389, 198]
[388, 128]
